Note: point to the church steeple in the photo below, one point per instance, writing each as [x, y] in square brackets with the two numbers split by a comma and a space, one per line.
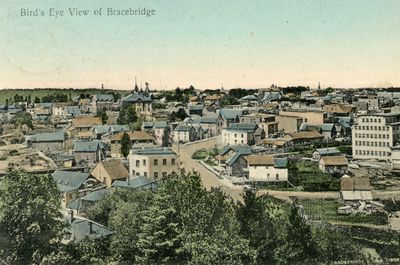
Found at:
[319, 85]
[136, 86]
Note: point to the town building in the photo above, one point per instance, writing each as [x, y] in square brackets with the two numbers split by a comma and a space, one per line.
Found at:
[334, 164]
[374, 135]
[48, 143]
[135, 138]
[140, 102]
[155, 163]
[106, 172]
[266, 168]
[242, 133]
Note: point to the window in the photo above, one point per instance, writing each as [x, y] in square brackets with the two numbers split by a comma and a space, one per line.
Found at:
[145, 174]
[155, 175]
[156, 162]
[137, 163]
[277, 177]
[164, 174]
[172, 161]
[164, 162]
[242, 135]
[144, 162]
[235, 135]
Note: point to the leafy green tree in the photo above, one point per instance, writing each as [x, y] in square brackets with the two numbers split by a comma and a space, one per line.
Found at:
[126, 222]
[36, 100]
[260, 219]
[30, 217]
[125, 144]
[103, 115]
[22, 118]
[297, 245]
[190, 225]
[127, 115]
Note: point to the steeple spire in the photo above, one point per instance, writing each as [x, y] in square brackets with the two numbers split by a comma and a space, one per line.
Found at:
[136, 86]
[319, 85]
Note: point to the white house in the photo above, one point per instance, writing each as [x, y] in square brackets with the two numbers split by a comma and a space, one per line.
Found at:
[266, 168]
[242, 133]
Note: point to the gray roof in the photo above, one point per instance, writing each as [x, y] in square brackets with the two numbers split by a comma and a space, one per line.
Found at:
[248, 127]
[135, 183]
[206, 120]
[233, 159]
[95, 195]
[104, 97]
[154, 151]
[181, 127]
[73, 110]
[102, 129]
[229, 114]
[69, 180]
[243, 149]
[80, 229]
[327, 127]
[88, 146]
[328, 151]
[249, 97]
[136, 97]
[160, 124]
[281, 162]
[196, 107]
[49, 137]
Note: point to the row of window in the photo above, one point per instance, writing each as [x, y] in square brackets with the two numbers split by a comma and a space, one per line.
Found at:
[376, 136]
[164, 174]
[241, 135]
[155, 162]
[371, 119]
[375, 128]
[376, 144]
[372, 153]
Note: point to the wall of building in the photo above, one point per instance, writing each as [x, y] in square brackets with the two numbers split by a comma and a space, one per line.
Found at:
[267, 173]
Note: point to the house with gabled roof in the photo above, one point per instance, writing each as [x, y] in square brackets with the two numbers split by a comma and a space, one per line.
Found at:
[184, 134]
[82, 204]
[73, 184]
[83, 126]
[109, 171]
[140, 182]
[89, 152]
[137, 138]
[333, 164]
[48, 143]
[229, 116]
[80, 228]
[266, 168]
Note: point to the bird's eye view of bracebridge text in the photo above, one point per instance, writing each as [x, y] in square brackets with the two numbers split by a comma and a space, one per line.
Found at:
[236, 132]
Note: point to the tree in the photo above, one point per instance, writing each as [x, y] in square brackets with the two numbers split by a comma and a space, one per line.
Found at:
[37, 99]
[260, 219]
[30, 217]
[297, 245]
[103, 115]
[127, 115]
[22, 118]
[125, 144]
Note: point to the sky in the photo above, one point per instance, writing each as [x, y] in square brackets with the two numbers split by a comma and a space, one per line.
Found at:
[207, 44]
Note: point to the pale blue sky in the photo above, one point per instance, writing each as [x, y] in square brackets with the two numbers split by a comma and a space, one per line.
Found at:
[204, 43]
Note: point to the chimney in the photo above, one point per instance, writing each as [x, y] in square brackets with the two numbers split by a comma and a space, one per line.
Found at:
[127, 180]
[91, 228]
[71, 214]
